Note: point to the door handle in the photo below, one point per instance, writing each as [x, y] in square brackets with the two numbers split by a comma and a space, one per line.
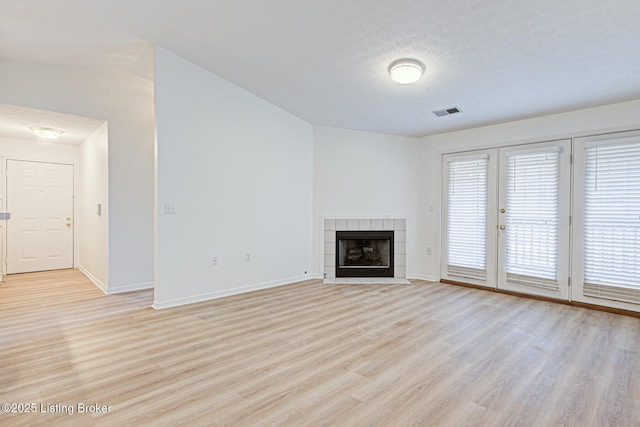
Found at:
[502, 227]
[69, 224]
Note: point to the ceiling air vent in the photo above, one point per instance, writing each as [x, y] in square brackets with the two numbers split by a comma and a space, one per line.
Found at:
[447, 111]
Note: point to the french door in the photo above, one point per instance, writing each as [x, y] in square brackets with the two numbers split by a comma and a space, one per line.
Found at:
[533, 219]
[469, 222]
[606, 230]
[506, 218]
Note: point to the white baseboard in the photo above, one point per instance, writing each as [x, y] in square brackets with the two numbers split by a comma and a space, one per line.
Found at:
[158, 305]
[422, 277]
[130, 288]
[114, 290]
[94, 279]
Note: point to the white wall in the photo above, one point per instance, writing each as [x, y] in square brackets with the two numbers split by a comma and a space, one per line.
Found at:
[239, 171]
[40, 151]
[363, 174]
[94, 190]
[126, 102]
[615, 117]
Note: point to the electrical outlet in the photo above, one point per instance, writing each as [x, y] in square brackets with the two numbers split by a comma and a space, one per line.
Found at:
[214, 261]
[247, 257]
[170, 208]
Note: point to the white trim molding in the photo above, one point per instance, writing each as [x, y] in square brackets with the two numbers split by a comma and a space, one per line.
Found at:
[423, 277]
[130, 288]
[94, 279]
[159, 305]
[115, 290]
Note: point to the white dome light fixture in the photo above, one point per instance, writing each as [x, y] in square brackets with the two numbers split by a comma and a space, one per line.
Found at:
[406, 71]
[47, 133]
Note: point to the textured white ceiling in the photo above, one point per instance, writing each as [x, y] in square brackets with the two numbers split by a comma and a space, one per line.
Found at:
[326, 60]
[15, 122]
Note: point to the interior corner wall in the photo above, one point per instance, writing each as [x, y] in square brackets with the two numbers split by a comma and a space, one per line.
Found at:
[591, 121]
[125, 101]
[363, 174]
[94, 190]
[238, 172]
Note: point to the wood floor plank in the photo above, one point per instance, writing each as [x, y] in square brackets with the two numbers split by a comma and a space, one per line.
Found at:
[313, 354]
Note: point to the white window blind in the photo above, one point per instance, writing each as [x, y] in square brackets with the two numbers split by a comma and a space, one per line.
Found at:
[612, 221]
[532, 209]
[467, 218]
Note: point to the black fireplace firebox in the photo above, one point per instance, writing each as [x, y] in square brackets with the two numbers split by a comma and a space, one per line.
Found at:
[364, 254]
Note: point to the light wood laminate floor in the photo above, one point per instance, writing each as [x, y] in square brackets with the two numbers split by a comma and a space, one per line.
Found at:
[313, 354]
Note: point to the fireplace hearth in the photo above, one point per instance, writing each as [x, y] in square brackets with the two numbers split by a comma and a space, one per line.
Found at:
[364, 254]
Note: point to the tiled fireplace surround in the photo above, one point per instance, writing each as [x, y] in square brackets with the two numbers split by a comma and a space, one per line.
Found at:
[399, 227]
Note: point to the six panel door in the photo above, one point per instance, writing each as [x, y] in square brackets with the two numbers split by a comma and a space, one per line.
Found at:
[40, 231]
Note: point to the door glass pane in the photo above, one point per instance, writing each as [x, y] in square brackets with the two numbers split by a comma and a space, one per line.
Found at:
[612, 221]
[467, 218]
[532, 200]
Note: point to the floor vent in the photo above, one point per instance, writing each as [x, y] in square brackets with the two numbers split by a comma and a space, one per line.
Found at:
[447, 111]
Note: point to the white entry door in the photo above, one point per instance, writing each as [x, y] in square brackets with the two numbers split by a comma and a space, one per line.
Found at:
[533, 219]
[40, 231]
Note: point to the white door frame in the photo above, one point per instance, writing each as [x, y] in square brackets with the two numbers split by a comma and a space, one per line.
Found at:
[3, 179]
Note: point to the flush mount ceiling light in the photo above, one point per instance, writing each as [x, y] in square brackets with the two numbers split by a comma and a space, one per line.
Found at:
[47, 133]
[406, 71]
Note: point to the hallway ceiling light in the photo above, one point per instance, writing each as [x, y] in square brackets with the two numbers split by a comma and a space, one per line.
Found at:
[47, 133]
[406, 71]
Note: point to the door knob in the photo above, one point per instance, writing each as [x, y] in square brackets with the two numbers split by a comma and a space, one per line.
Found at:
[502, 210]
[69, 224]
[502, 226]
[68, 218]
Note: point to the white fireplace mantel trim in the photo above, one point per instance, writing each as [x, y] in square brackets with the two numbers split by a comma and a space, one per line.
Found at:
[331, 223]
